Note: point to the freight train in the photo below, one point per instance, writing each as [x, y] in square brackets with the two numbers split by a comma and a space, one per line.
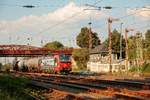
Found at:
[60, 63]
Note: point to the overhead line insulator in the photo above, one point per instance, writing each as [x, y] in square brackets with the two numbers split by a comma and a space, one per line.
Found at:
[28, 6]
[107, 7]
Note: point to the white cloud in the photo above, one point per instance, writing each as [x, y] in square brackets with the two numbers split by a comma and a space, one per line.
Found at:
[141, 12]
[35, 24]
[31, 26]
[40, 22]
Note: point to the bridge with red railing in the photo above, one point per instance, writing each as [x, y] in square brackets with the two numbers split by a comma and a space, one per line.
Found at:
[26, 50]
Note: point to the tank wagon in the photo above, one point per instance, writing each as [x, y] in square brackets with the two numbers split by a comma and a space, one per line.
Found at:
[58, 63]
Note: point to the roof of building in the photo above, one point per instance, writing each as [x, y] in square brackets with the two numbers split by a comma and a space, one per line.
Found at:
[99, 49]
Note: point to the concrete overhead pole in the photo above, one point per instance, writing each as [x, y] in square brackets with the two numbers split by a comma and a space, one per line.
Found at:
[90, 36]
[121, 41]
[110, 44]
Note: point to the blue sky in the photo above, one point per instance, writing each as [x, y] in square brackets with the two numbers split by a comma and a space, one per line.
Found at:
[18, 23]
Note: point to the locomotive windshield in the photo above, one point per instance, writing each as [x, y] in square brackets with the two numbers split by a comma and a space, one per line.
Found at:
[64, 58]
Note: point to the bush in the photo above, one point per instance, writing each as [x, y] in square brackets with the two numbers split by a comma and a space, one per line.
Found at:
[134, 69]
[81, 56]
[145, 68]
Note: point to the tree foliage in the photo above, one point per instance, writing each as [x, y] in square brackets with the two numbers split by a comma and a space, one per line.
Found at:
[135, 43]
[147, 39]
[132, 47]
[54, 45]
[147, 45]
[81, 56]
[116, 42]
[83, 38]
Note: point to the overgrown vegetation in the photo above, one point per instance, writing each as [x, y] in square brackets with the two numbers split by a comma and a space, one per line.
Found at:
[147, 45]
[17, 88]
[12, 88]
[145, 68]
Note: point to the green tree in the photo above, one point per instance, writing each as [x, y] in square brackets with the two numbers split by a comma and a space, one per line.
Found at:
[116, 42]
[147, 45]
[81, 56]
[83, 38]
[54, 45]
[132, 47]
[147, 39]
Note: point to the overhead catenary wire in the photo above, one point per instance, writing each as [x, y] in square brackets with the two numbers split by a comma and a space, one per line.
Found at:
[68, 18]
[141, 27]
[29, 5]
[57, 24]
[121, 17]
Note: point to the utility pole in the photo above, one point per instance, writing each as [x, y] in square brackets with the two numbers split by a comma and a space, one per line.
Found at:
[121, 41]
[90, 36]
[110, 20]
[127, 48]
[110, 44]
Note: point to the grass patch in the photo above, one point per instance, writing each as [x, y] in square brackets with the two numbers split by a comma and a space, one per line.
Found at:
[12, 88]
[37, 92]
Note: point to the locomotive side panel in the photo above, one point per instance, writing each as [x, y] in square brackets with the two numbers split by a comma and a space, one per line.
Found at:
[47, 64]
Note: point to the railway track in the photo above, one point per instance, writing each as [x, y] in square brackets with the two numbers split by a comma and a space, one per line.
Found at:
[63, 88]
[139, 85]
[116, 92]
[112, 88]
[30, 96]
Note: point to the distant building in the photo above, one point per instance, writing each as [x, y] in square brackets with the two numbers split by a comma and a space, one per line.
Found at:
[99, 60]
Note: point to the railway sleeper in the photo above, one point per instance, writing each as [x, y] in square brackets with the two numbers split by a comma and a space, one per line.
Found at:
[139, 93]
[128, 97]
[146, 87]
[69, 96]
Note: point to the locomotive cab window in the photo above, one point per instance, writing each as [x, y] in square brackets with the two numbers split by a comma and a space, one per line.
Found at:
[64, 58]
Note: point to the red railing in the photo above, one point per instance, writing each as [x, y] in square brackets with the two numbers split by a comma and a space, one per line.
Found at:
[7, 52]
